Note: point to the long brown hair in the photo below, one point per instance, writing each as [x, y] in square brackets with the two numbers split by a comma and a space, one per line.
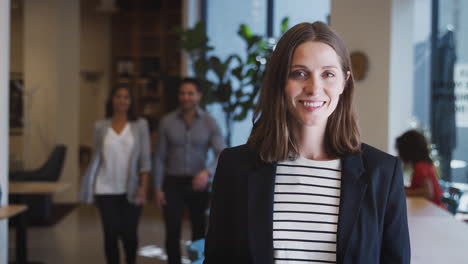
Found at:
[272, 134]
[131, 113]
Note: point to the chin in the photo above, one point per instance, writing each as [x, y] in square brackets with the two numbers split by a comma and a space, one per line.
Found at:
[123, 109]
[312, 122]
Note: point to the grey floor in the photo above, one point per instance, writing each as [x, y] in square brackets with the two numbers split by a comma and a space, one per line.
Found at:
[77, 239]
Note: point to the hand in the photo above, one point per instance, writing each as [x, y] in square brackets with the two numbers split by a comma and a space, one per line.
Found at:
[159, 198]
[141, 195]
[200, 181]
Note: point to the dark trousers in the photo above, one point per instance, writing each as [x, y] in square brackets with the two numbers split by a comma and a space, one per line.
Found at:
[179, 194]
[119, 222]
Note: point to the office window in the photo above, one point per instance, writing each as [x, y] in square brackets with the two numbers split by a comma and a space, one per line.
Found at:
[449, 105]
[299, 11]
[223, 20]
[422, 63]
[440, 106]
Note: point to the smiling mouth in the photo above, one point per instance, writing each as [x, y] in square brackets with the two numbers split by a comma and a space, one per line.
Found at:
[312, 105]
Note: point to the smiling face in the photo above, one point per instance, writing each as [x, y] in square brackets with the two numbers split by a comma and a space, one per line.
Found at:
[315, 83]
[121, 101]
[189, 96]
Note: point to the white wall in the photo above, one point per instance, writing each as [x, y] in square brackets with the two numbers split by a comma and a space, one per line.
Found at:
[422, 53]
[366, 28]
[16, 40]
[16, 66]
[4, 92]
[51, 76]
[95, 56]
[400, 108]
[190, 16]
[381, 29]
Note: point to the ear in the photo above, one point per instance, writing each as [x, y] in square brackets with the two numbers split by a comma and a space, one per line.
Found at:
[348, 74]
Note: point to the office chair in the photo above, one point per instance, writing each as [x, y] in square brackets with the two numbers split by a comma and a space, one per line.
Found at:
[40, 205]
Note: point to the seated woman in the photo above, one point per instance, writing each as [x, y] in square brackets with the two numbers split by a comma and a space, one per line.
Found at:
[413, 151]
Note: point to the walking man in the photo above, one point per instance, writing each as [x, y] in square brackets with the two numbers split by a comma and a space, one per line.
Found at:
[181, 175]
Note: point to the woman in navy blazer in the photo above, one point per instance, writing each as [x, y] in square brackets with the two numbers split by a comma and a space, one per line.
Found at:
[306, 110]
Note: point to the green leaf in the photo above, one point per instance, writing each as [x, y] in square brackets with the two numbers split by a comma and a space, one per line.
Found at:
[218, 68]
[229, 108]
[239, 93]
[201, 67]
[225, 90]
[242, 115]
[245, 32]
[250, 73]
[284, 25]
[237, 72]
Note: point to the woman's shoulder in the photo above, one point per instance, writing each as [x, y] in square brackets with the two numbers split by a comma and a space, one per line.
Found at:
[371, 152]
[241, 150]
[242, 154]
[141, 121]
[423, 166]
[102, 123]
[374, 157]
[383, 169]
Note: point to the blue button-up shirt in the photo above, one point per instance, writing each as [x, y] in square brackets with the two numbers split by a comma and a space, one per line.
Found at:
[183, 150]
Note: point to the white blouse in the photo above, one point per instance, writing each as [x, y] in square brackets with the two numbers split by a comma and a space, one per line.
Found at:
[113, 173]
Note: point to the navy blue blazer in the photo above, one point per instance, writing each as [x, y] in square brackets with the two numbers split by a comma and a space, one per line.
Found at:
[372, 222]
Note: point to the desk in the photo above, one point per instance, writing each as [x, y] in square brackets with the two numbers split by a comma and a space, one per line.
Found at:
[38, 197]
[422, 207]
[37, 187]
[20, 189]
[435, 235]
[17, 211]
[9, 211]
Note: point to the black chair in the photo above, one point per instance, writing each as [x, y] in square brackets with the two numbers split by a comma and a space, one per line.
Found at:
[40, 206]
[50, 170]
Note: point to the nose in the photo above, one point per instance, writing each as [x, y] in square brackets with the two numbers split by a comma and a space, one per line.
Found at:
[312, 86]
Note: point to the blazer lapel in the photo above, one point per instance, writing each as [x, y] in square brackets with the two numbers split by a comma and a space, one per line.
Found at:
[353, 187]
[260, 213]
[134, 127]
[105, 125]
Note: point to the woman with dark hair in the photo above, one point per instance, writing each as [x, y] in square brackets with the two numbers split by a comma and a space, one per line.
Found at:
[413, 151]
[304, 189]
[117, 177]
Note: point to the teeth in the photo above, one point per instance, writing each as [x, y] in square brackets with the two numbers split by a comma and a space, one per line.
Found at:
[312, 104]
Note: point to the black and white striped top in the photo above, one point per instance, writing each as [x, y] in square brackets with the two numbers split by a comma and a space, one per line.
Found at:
[306, 208]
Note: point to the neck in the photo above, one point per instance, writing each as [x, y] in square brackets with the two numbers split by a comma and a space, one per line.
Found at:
[189, 113]
[312, 142]
[119, 117]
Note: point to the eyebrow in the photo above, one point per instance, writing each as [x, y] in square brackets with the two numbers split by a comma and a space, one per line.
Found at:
[324, 67]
